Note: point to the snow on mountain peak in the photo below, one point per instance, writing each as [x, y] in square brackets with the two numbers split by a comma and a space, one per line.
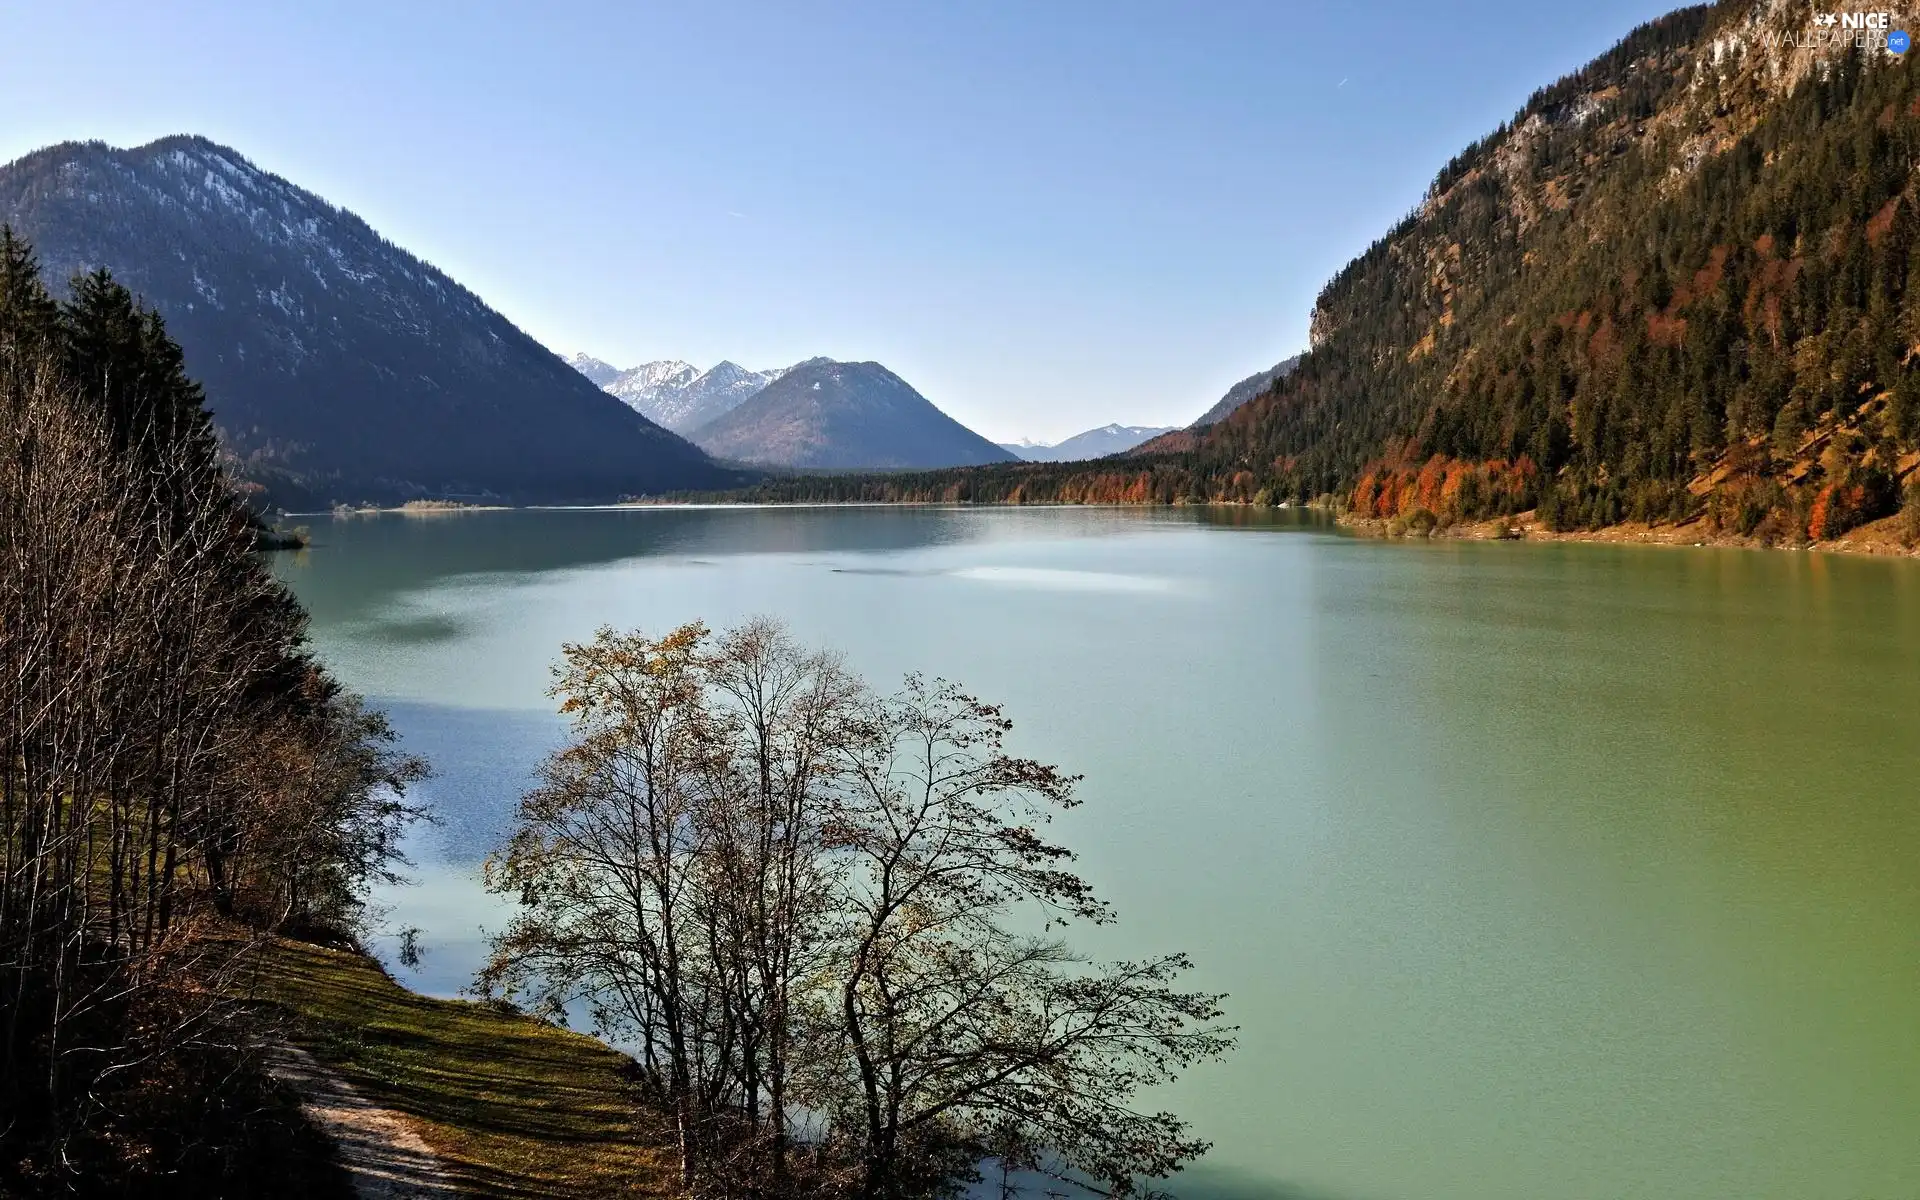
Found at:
[600, 371]
[681, 397]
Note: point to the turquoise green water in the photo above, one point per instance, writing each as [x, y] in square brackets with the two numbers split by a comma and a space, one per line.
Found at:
[1533, 871]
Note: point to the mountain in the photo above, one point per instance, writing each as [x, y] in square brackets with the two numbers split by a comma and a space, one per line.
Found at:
[1098, 443]
[641, 387]
[1246, 390]
[601, 373]
[844, 415]
[1679, 286]
[337, 365]
[1094, 443]
[682, 398]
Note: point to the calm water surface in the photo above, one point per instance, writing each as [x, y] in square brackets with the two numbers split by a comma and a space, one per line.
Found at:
[1534, 872]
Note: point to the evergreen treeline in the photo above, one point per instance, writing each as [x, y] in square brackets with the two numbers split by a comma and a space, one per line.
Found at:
[1668, 288]
[177, 774]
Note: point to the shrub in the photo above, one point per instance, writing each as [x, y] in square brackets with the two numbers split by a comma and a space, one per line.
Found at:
[1742, 507]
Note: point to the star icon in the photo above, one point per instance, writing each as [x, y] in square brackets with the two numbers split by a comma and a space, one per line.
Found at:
[1826, 19]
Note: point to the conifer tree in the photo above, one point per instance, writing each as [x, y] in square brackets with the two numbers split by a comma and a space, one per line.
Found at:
[168, 750]
[119, 352]
[27, 312]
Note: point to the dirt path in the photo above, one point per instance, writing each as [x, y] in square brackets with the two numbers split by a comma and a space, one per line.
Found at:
[378, 1148]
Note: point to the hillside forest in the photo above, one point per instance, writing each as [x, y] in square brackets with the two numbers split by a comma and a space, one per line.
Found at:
[1680, 285]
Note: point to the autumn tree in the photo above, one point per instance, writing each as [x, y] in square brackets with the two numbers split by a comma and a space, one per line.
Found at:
[178, 777]
[826, 917]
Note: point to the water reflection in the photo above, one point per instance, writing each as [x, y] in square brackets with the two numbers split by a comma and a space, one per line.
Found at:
[1566, 871]
[359, 562]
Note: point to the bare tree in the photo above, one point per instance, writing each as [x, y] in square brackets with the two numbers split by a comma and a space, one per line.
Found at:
[971, 1033]
[606, 863]
[795, 897]
[171, 759]
[788, 720]
[667, 869]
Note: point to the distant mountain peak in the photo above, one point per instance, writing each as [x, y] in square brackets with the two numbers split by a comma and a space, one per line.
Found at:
[830, 414]
[599, 370]
[1246, 390]
[682, 397]
[1111, 438]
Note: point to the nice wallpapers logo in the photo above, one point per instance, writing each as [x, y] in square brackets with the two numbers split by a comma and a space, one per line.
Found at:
[1865, 30]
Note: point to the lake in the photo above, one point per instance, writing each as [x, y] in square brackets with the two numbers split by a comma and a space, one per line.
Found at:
[1534, 871]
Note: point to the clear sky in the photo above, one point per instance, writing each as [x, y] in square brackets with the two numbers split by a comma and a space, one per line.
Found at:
[1044, 214]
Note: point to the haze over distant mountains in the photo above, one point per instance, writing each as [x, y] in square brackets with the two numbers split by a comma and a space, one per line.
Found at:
[341, 368]
[1118, 439]
[337, 365]
[1094, 443]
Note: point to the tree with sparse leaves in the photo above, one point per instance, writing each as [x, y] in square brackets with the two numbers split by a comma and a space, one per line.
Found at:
[828, 920]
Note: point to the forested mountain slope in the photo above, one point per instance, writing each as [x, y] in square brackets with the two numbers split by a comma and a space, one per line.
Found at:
[337, 365]
[1677, 284]
[1639, 300]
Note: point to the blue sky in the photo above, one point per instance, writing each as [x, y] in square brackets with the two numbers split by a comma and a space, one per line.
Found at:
[1044, 214]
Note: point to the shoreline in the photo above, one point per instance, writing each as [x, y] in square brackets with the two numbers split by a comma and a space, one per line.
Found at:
[412, 508]
[1877, 539]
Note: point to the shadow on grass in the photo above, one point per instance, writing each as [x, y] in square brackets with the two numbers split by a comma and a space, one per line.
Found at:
[516, 1107]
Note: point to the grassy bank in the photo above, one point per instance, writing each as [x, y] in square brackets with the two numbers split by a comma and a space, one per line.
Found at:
[515, 1107]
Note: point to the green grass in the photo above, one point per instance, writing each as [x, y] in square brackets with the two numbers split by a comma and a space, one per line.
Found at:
[516, 1107]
